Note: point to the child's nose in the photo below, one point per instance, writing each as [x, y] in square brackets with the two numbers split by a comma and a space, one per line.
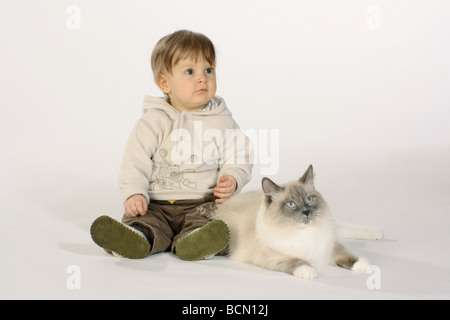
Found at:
[201, 78]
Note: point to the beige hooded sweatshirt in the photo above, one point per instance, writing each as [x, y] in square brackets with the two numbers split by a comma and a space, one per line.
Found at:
[173, 155]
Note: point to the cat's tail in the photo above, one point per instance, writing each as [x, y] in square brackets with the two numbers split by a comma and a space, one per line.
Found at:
[353, 231]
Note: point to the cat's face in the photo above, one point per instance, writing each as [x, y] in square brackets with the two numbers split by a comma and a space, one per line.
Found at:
[296, 203]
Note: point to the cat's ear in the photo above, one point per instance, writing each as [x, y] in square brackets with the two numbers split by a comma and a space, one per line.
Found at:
[269, 188]
[308, 176]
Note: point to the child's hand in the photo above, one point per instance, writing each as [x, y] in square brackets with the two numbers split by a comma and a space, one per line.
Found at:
[136, 205]
[225, 189]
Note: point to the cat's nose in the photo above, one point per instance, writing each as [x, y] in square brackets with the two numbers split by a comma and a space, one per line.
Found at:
[306, 212]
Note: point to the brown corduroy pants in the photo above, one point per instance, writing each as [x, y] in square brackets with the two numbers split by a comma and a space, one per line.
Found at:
[165, 222]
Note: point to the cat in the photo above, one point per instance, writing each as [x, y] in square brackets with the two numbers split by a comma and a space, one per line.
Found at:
[289, 228]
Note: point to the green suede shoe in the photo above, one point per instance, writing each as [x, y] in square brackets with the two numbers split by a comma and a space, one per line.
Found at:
[203, 242]
[119, 238]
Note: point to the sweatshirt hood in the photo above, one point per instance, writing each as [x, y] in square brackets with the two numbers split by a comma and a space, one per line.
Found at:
[160, 103]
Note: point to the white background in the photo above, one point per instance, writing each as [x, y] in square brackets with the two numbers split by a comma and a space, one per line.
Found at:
[360, 89]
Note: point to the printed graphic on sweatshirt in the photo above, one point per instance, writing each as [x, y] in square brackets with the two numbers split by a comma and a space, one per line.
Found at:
[170, 177]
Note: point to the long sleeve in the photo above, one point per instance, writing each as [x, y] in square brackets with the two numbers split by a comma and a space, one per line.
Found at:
[237, 157]
[137, 166]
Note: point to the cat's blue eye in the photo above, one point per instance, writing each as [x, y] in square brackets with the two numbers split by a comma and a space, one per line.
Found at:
[309, 200]
[291, 205]
[189, 72]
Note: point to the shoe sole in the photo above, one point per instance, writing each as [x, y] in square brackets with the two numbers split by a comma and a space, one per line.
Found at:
[204, 242]
[114, 236]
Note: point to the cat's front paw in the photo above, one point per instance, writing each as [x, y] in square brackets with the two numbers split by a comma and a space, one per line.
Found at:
[361, 265]
[305, 272]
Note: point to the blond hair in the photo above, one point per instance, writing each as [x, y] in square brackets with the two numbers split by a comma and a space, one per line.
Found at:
[181, 45]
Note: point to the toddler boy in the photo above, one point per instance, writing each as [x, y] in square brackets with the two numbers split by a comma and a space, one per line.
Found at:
[183, 156]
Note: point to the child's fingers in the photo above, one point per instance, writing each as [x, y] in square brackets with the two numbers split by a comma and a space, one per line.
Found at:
[144, 207]
[224, 184]
[140, 208]
[222, 192]
[223, 189]
[135, 209]
[129, 212]
[227, 181]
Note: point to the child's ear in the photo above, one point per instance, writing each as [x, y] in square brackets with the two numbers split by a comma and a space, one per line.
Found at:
[163, 83]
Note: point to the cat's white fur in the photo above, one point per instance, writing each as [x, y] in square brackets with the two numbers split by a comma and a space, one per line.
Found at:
[313, 243]
[256, 242]
[257, 238]
[361, 265]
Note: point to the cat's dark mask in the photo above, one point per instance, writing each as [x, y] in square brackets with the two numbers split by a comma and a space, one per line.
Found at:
[298, 200]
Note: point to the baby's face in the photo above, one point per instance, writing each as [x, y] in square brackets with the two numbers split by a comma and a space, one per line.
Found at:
[191, 84]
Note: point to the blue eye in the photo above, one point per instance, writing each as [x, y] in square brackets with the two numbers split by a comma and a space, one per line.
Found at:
[190, 71]
[309, 200]
[209, 70]
[291, 205]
